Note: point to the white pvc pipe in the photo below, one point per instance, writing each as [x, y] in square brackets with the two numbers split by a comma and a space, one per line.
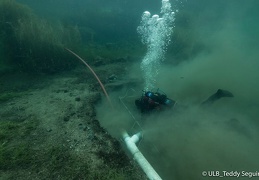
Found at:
[138, 156]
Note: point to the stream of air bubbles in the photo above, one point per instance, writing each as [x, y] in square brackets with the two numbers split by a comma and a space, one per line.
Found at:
[155, 33]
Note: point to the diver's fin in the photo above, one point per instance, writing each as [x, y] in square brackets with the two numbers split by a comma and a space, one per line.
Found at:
[219, 94]
[224, 93]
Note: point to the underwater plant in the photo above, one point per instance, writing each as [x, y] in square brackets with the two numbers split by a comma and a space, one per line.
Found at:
[35, 45]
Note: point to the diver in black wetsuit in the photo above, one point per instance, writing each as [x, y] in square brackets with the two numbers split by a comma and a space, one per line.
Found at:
[150, 101]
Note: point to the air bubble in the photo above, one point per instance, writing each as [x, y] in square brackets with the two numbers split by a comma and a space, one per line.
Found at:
[155, 32]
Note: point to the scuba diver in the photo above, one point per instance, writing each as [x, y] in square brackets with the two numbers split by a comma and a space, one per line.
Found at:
[156, 101]
[150, 101]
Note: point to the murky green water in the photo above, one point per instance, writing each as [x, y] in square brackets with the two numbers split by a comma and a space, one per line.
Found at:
[214, 45]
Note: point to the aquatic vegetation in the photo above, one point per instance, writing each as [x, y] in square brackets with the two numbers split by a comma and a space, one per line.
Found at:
[10, 95]
[20, 150]
[3, 63]
[14, 157]
[14, 151]
[34, 44]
